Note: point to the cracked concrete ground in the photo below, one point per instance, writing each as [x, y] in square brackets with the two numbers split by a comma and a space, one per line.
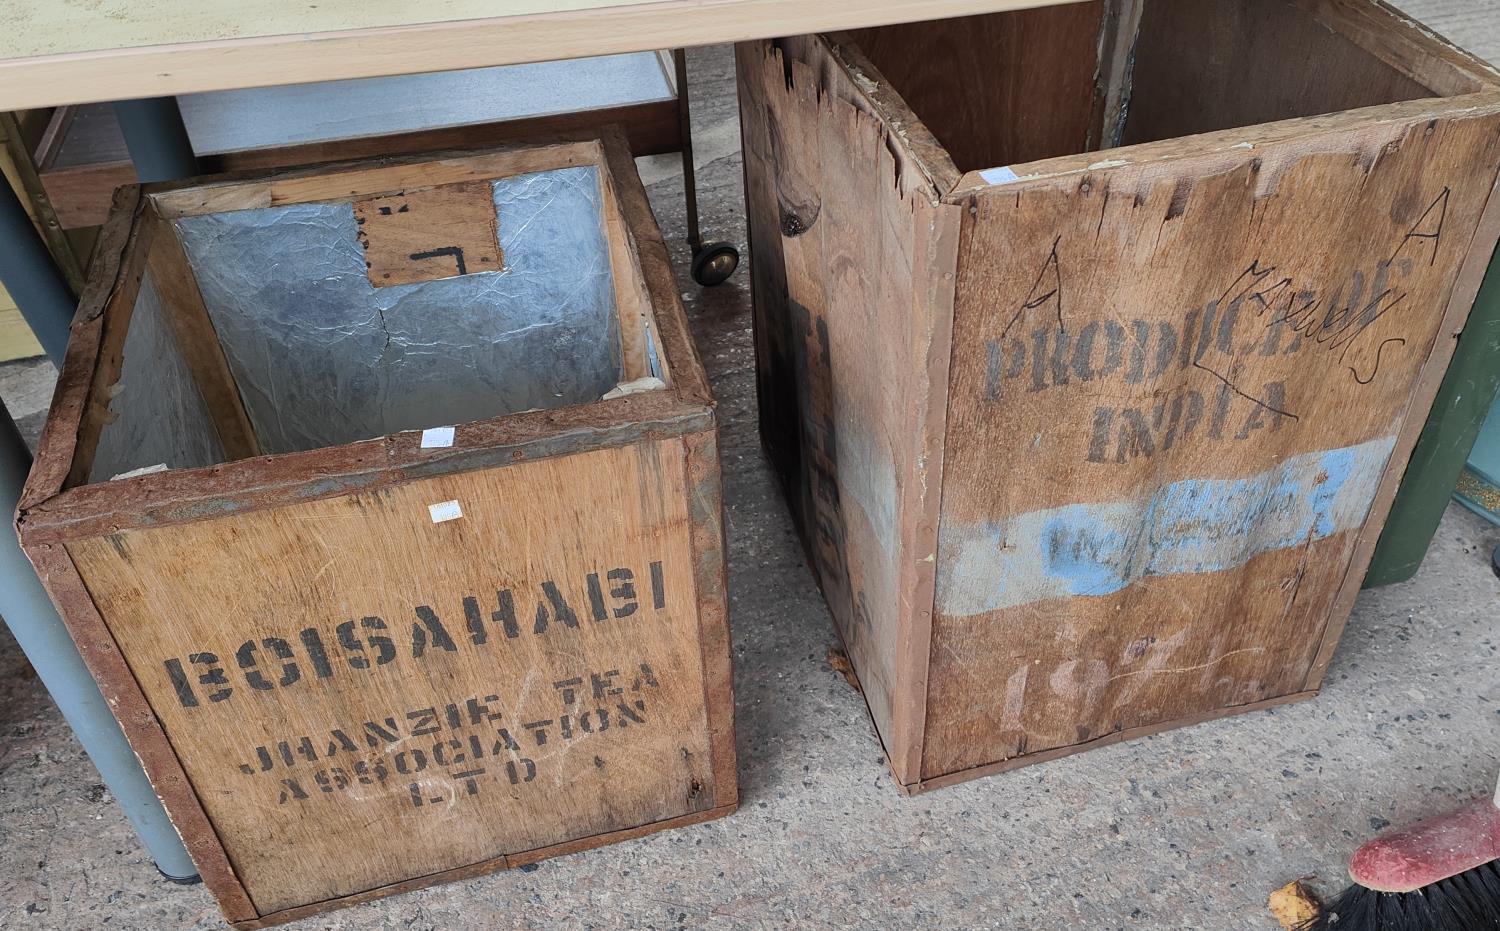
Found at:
[1189, 829]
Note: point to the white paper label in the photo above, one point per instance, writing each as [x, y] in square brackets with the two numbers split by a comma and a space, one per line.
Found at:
[445, 510]
[999, 176]
[434, 437]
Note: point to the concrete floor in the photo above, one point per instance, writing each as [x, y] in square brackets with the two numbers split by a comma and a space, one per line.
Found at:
[1190, 829]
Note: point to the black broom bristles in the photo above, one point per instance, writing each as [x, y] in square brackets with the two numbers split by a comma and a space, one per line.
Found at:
[1469, 901]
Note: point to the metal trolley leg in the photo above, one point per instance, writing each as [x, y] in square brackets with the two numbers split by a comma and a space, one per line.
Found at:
[32, 278]
[40, 632]
[713, 262]
[38, 288]
[157, 139]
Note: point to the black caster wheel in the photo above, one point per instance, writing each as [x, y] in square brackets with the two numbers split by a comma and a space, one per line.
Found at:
[1495, 561]
[714, 262]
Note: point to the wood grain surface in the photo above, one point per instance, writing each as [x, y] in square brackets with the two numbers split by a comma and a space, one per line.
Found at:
[128, 703]
[1011, 89]
[368, 668]
[183, 302]
[1410, 47]
[360, 179]
[1185, 372]
[849, 250]
[539, 657]
[428, 234]
[74, 52]
[1195, 376]
[1203, 65]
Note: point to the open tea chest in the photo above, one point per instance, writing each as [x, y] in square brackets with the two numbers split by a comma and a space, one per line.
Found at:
[383, 501]
[1093, 340]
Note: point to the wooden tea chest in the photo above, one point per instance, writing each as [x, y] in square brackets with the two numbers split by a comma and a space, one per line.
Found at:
[383, 501]
[1093, 341]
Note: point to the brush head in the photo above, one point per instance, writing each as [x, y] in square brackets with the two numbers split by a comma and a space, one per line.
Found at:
[1468, 901]
[1442, 874]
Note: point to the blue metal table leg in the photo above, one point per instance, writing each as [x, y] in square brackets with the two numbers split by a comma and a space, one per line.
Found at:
[157, 139]
[31, 277]
[40, 632]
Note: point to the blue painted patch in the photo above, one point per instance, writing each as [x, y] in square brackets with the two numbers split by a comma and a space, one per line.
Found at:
[1194, 525]
[1083, 554]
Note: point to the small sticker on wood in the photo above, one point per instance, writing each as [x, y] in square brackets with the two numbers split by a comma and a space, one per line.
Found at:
[426, 235]
[1003, 175]
[445, 510]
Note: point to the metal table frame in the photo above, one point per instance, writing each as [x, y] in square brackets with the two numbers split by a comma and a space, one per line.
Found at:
[159, 146]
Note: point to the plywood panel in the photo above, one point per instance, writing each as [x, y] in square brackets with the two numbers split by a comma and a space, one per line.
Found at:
[1204, 65]
[430, 234]
[1177, 389]
[71, 26]
[337, 673]
[1013, 87]
[1409, 46]
[848, 254]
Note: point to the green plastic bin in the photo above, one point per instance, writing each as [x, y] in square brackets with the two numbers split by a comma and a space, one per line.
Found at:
[1461, 406]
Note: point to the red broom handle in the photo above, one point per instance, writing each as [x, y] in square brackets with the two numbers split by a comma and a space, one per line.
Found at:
[1410, 858]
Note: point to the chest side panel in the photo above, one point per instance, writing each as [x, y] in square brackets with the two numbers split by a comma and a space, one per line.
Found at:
[851, 355]
[389, 684]
[1175, 389]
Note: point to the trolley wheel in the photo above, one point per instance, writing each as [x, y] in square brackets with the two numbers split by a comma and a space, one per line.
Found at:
[1495, 561]
[714, 262]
